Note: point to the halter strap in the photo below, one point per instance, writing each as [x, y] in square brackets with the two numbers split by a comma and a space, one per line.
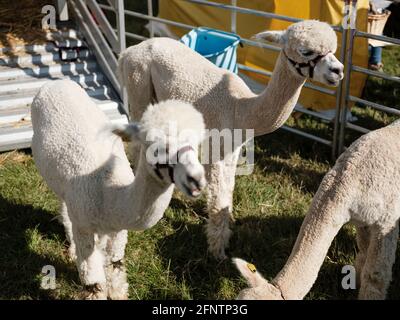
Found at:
[310, 64]
[158, 166]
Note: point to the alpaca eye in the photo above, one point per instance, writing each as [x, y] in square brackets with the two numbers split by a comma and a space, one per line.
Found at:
[307, 53]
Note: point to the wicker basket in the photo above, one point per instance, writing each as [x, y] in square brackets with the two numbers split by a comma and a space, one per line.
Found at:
[376, 24]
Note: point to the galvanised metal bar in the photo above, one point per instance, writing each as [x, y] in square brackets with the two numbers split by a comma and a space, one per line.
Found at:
[377, 37]
[313, 113]
[62, 8]
[147, 17]
[244, 10]
[260, 45]
[104, 25]
[377, 74]
[251, 11]
[112, 3]
[98, 44]
[150, 13]
[106, 7]
[357, 128]
[135, 36]
[307, 135]
[233, 17]
[349, 58]
[339, 91]
[120, 14]
[374, 105]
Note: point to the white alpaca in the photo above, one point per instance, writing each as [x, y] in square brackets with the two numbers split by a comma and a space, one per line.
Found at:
[162, 68]
[86, 166]
[362, 187]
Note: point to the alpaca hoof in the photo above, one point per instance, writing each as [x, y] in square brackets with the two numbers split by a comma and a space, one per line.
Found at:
[371, 295]
[368, 292]
[118, 293]
[94, 292]
[117, 281]
[72, 254]
[218, 239]
[218, 253]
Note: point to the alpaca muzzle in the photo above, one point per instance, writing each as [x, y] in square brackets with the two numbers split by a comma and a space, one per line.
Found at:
[310, 64]
[171, 166]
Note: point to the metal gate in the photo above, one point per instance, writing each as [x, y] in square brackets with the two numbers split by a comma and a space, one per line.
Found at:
[107, 42]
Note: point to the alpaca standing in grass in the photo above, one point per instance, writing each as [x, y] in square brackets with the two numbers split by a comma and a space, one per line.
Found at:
[86, 166]
[162, 68]
[362, 187]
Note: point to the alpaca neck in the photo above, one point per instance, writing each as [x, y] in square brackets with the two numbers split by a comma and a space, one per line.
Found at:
[142, 203]
[268, 111]
[317, 232]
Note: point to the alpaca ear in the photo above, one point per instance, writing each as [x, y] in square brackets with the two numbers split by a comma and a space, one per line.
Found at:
[127, 132]
[277, 37]
[249, 272]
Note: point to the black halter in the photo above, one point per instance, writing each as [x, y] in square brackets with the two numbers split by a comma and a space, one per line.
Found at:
[158, 166]
[310, 64]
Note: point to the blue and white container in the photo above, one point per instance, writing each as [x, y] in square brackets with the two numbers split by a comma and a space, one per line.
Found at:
[217, 46]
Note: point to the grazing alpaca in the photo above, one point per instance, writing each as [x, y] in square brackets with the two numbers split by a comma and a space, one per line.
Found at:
[86, 166]
[162, 68]
[362, 187]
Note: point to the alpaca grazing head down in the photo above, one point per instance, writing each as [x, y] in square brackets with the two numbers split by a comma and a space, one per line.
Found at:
[260, 289]
[309, 47]
[170, 132]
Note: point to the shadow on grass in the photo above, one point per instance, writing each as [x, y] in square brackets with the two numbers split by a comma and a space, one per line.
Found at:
[284, 144]
[266, 241]
[20, 264]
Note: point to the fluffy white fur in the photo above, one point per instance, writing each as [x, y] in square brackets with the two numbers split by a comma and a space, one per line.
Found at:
[162, 68]
[86, 166]
[363, 187]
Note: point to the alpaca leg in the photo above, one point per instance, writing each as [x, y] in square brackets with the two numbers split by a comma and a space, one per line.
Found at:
[377, 271]
[117, 283]
[363, 236]
[221, 182]
[66, 221]
[90, 263]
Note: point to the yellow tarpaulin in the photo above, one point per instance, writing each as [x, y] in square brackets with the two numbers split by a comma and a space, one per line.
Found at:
[330, 11]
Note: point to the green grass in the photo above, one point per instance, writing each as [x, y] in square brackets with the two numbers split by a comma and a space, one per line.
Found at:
[170, 261]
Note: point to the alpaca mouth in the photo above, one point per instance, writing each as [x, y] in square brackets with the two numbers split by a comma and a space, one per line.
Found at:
[195, 193]
[332, 82]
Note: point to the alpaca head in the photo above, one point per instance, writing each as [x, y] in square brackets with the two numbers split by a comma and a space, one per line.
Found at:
[171, 132]
[260, 289]
[309, 47]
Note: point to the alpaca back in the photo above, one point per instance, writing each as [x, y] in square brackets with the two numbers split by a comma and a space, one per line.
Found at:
[373, 163]
[70, 137]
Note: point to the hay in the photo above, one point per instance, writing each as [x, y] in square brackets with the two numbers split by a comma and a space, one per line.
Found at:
[14, 157]
[21, 23]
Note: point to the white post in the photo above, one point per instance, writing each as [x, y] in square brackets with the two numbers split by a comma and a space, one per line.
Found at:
[62, 9]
